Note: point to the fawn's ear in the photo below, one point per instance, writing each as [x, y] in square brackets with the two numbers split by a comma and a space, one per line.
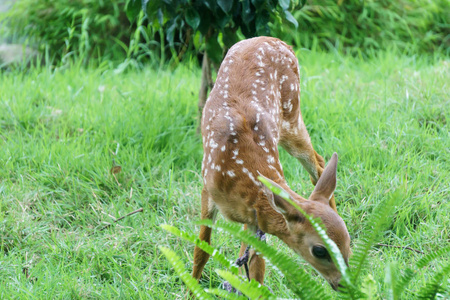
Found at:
[327, 182]
[280, 205]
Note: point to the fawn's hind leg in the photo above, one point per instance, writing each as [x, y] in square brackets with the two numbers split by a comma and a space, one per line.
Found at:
[200, 257]
[297, 142]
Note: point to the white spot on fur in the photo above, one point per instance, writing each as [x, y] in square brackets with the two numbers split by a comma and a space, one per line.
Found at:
[250, 175]
[231, 173]
[213, 144]
[239, 161]
[223, 148]
[235, 153]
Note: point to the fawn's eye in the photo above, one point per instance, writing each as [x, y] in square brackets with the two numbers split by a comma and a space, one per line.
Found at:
[320, 252]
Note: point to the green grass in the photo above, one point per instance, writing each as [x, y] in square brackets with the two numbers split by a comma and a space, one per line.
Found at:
[62, 131]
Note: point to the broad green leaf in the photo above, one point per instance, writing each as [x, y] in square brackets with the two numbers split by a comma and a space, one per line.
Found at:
[132, 9]
[291, 18]
[160, 16]
[284, 4]
[262, 23]
[222, 20]
[225, 5]
[258, 4]
[229, 37]
[171, 32]
[214, 50]
[152, 8]
[247, 14]
[192, 18]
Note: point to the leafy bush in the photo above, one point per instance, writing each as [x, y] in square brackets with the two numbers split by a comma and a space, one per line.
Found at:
[85, 28]
[355, 286]
[213, 22]
[113, 30]
[360, 26]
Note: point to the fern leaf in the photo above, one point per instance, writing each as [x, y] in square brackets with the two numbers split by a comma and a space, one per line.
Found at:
[404, 280]
[252, 289]
[433, 286]
[423, 262]
[299, 282]
[369, 288]
[190, 282]
[377, 222]
[432, 256]
[391, 281]
[216, 255]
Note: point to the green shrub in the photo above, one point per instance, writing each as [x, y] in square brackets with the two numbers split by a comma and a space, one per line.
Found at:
[357, 26]
[84, 28]
[102, 29]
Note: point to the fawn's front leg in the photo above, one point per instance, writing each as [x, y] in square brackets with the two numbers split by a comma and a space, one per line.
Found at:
[298, 144]
[256, 263]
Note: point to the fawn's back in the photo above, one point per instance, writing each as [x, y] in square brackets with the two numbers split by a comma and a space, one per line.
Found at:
[254, 105]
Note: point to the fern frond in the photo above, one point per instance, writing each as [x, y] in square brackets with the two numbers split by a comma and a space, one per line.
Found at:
[391, 281]
[404, 280]
[216, 255]
[299, 282]
[369, 288]
[423, 262]
[252, 289]
[190, 282]
[432, 256]
[225, 294]
[433, 285]
[375, 226]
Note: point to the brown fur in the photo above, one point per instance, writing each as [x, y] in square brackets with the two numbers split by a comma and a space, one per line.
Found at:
[254, 107]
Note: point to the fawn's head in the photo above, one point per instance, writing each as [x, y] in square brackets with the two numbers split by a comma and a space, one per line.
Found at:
[301, 236]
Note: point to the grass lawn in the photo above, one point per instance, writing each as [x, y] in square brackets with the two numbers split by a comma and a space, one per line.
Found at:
[61, 133]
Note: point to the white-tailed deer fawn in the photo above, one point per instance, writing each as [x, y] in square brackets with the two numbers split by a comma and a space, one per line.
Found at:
[254, 107]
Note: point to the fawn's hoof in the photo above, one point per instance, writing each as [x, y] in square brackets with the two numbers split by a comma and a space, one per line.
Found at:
[230, 289]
